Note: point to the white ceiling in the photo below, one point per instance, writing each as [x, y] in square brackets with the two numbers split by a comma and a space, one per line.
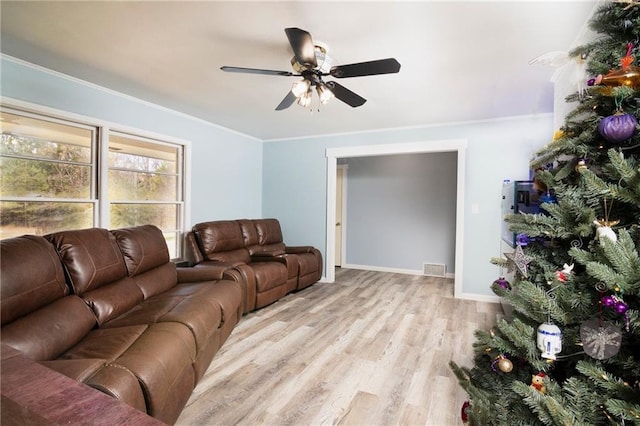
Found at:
[460, 60]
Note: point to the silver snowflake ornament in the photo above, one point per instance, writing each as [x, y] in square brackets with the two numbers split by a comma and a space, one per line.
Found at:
[600, 341]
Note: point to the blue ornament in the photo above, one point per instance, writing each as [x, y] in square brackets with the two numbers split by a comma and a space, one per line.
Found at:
[522, 240]
[548, 198]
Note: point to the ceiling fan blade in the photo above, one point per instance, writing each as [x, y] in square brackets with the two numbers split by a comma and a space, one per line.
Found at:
[345, 95]
[257, 71]
[287, 101]
[380, 66]
[302, 45]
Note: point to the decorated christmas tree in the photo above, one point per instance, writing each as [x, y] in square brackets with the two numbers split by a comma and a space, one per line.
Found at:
[570, 352]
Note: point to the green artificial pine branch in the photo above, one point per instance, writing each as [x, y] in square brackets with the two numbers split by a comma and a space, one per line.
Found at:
[550, 411]
[582, 268]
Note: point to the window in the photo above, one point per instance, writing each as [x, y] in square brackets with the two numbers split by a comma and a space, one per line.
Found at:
[47, 171]
[145, 185]
[51, 179]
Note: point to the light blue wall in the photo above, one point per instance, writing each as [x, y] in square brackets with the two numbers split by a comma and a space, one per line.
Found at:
[401, 211]
[236, 176]
[226, 169]
[294, 182]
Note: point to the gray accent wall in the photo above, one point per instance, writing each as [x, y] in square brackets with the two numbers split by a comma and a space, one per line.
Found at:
[401, 211]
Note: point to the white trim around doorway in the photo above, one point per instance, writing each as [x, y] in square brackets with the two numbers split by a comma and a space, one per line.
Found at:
[448, 145]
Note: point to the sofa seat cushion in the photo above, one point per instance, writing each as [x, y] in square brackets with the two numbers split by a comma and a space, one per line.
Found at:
[77, 369]
[269, 275]
[199, 311]
[228, 295]
[105, 343]
[159, 355]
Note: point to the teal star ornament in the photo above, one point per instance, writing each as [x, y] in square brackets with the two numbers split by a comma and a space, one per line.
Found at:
[519, 260]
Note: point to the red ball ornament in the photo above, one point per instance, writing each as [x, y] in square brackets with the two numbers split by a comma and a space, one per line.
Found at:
[464, 416]
[618, 127]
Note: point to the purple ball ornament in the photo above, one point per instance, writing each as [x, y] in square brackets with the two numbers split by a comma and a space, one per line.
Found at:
[618, 127]
[608, 301]
[621, 307]
[503, 283]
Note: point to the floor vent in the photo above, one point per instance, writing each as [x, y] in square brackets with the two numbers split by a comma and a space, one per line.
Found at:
[435, 269]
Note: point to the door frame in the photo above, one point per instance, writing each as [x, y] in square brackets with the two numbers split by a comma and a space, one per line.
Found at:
[343, 219]
[447, 145]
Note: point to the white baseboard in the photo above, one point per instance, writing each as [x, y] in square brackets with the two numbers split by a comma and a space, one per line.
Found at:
[391, 270]
[382, 269]
[479, 297]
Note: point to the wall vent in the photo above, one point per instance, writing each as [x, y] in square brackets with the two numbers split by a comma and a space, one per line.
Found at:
[435, 269]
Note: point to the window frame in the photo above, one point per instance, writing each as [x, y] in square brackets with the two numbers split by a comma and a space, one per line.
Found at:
[99, 162]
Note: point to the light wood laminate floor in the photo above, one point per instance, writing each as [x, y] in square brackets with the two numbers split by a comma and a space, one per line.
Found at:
[372, 348]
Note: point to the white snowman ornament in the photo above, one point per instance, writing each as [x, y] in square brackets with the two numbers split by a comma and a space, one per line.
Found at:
[549, 340]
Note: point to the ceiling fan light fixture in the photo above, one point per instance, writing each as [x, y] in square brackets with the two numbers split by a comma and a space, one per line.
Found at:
[324, 94]
[301, 87]
[305, 100]
[312, 62]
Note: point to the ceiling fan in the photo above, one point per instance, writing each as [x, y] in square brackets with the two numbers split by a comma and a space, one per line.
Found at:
[311, 62]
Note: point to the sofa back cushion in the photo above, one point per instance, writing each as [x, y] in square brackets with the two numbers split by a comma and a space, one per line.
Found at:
[269, 234]
[39, 318]
[48, 332]
[143, 248]
[250, 235]
[147, 259]
[31, 276]
[96, 271]
[222, 241]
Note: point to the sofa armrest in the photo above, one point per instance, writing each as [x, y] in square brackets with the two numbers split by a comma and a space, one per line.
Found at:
[261, 256]
[299, 249]
[192, 252]
[205, 271]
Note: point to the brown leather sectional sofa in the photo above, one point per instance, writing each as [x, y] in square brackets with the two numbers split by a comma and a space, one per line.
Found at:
[267, 268]
[109, 308]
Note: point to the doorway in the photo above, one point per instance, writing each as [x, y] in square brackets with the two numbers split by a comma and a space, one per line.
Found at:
[451, 145]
